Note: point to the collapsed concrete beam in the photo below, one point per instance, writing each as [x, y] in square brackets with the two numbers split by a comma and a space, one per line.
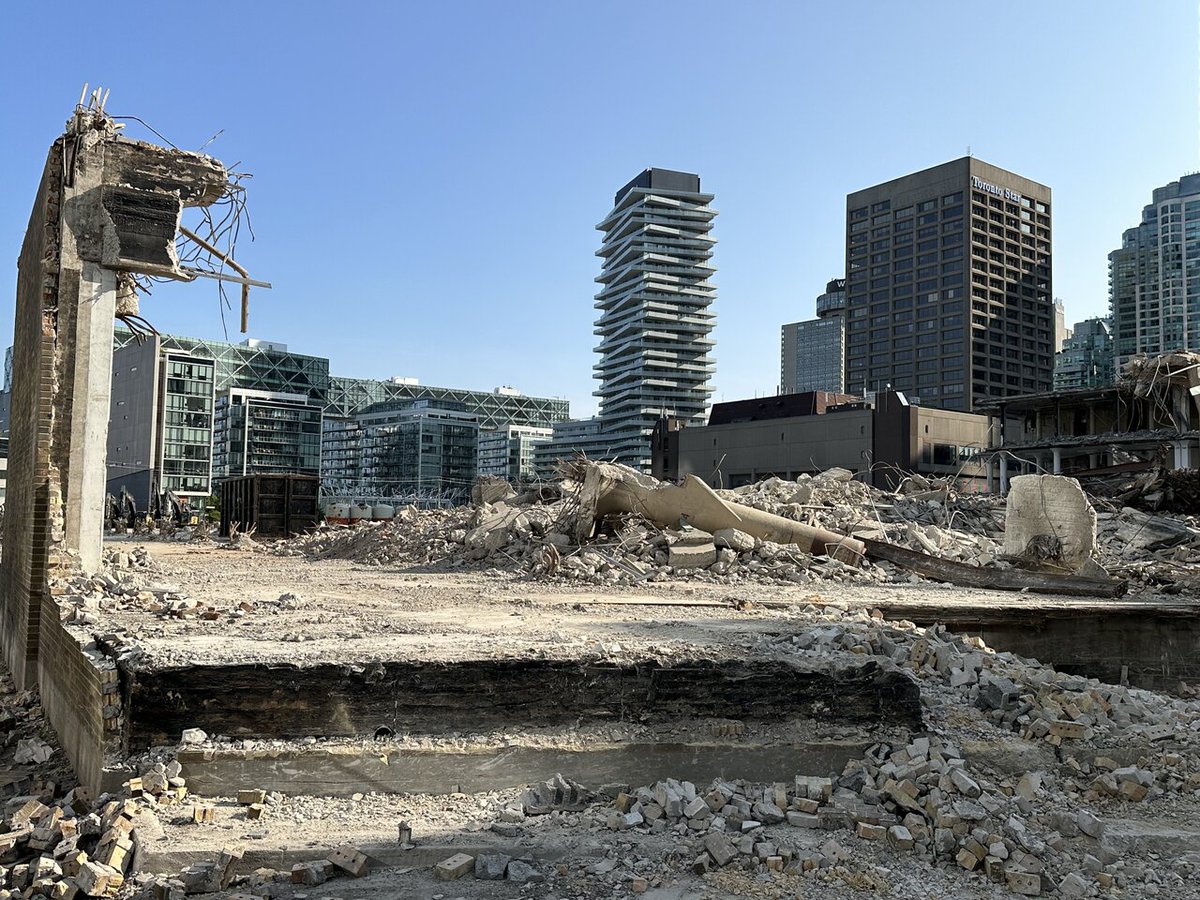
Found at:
[990, 577]
[608, 488]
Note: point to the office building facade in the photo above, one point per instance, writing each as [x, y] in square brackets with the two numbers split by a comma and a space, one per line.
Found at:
[418, 452]
[812, 353]
[655, 309]
[272, 409]
[161, 420]
[493, 409]
[261, 432]
[1086, 359]
[1154, 278]
[948, 286]
[509, 452]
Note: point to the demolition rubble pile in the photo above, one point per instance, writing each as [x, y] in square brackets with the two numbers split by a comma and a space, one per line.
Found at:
[1023, 782]
[1022, 778]
[556, 537]
[73, 845]
[609, 524]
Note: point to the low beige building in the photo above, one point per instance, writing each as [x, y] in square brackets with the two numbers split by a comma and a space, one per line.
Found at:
[881, 441]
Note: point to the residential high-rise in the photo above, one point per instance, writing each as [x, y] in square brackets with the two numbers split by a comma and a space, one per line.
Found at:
[508, 452]
[161, 417]
[948, 292]
[655, 316]
[419, 451]
[1154, 279]
[1086, 359]
[812, 353]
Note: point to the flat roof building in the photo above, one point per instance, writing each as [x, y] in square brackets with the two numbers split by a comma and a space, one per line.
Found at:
[418, 452]
[509, 452]
[812, 352]
[266, 432]
[795, 434]
[161, 418]
[948, 290]
[1086, 359]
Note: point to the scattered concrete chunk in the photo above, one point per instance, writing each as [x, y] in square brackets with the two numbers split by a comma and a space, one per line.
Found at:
[349, 859]
[521, 872]
[492, 866]
[1026, 883]
[719, 848]
[453, 867]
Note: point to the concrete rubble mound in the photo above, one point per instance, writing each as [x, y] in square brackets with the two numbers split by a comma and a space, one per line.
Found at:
[606, 523]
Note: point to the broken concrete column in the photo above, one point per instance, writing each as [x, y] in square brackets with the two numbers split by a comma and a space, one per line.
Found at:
[105, 206]
[1049, 518]
[613, 488]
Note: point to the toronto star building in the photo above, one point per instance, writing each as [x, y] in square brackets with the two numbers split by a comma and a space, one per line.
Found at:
[948, 285]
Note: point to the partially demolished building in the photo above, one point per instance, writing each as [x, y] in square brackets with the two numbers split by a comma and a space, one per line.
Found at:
[1150, 418]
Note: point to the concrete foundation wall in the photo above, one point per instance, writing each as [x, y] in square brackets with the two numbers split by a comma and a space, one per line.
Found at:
[81, 695]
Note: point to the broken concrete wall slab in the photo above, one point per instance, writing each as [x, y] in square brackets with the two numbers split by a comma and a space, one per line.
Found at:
[1049, 517]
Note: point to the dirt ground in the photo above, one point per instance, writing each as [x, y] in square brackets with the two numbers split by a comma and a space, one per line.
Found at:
[339, 610]
[343, 609]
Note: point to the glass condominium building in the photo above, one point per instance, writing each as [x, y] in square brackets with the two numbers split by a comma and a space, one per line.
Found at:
[1154, 278]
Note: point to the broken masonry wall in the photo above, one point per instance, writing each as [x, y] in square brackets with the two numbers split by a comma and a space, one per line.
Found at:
[33, 494]
[82, 698]
[105, 206]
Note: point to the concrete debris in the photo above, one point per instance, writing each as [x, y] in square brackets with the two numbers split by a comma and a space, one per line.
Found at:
[32, 750]
[538, 532]
[1019, 780]
[1049, 518]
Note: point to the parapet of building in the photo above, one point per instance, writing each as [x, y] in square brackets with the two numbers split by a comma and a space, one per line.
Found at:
[787, 436]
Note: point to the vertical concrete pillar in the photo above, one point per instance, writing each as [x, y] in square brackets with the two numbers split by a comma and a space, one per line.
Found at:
[1093, 460]
[85, 484]
[990, 476]
[1057, 457]
[1003, 475]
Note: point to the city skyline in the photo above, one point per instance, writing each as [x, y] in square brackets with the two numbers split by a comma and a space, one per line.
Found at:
[477, 106]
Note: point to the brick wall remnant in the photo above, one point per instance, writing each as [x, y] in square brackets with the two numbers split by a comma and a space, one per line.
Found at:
[106, 206]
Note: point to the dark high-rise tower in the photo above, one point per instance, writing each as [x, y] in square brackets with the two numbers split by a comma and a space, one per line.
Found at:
[948, 291]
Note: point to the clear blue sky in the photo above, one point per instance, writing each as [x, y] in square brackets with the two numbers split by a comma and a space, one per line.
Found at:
[428, 176]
